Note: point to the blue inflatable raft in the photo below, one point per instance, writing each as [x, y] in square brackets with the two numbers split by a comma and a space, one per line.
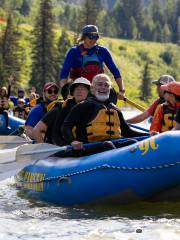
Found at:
[149, 169]
[14, 123]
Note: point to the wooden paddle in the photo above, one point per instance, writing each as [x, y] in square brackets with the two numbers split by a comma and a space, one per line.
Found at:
[139, 107]
[7, 142]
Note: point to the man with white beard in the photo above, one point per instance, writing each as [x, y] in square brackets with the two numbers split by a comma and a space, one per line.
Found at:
[97, 119]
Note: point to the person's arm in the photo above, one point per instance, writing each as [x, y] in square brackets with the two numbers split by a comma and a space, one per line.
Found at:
[33, 118]
[39, 131]
[67, 65]
[29, 131]
[139, 118]
[126, 131]
[78, 116]
[69, 122]
[114, 70]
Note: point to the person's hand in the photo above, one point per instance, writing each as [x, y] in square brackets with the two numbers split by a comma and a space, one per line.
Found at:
[121, 95]
[152, 133]
[77, 145]
[11, 79]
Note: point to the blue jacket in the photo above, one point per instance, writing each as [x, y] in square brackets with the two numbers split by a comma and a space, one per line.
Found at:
[35, 115]
[74, 59]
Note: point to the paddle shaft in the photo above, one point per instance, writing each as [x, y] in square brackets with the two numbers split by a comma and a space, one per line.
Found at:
[142, 109]
[138, 127]
[53, 149]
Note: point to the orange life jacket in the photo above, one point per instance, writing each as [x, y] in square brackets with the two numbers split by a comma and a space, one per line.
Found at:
[168, 118]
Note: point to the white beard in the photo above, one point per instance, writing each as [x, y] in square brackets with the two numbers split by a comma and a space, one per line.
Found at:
[102, 97]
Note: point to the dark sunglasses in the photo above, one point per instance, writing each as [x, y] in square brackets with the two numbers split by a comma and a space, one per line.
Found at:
[93, 36]
[55, 91]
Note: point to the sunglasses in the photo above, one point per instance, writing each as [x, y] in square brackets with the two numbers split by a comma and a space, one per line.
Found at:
[55, 91]
[93, 36]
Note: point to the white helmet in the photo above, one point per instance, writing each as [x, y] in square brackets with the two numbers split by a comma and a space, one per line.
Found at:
[80, 80]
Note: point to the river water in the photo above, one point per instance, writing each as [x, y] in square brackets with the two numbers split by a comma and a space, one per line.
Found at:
[27, 220]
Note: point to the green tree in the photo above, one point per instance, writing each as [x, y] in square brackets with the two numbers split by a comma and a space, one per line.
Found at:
[107, 24]
[10, 50]
[43, 52]
[167, 35]
[146, 82]
[138, 13]
[25, 8]
[89, 12]
[178, 30]
[171, 17]
[157, 12]
[133, 28]
[63, 46]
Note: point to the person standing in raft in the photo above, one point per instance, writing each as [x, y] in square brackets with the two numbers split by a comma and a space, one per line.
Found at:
[97, 119]
[48, 129]
[86, 59]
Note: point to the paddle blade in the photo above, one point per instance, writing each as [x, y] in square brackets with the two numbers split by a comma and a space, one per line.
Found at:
[7, 155]
[32, 152]
[7, 142]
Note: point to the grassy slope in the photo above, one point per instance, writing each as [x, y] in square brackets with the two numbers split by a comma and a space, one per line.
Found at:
[127, 54]
[127, 57]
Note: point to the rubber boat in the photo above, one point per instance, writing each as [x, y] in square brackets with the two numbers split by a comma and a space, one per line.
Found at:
[147, 170]
[14, 123]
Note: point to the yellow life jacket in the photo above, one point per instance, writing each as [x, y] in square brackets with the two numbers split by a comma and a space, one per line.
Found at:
[66, 102]
[33, 102]
[105, 126]
[168, 119]
[53, 104]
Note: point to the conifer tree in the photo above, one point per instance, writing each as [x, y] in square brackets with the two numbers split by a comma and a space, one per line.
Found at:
[178, 30]
[166, 34]
[146, 82]
[25, 8]
[138, 13]
[89, 12]
[63, 46]
[10, 50]
[43, 52]
[133, 28]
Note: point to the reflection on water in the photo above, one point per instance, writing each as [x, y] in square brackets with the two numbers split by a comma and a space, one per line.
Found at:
[22, 219]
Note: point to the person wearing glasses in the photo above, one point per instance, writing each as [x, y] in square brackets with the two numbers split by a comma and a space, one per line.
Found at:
[48, 129]
[86, 59]
[50, 94]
